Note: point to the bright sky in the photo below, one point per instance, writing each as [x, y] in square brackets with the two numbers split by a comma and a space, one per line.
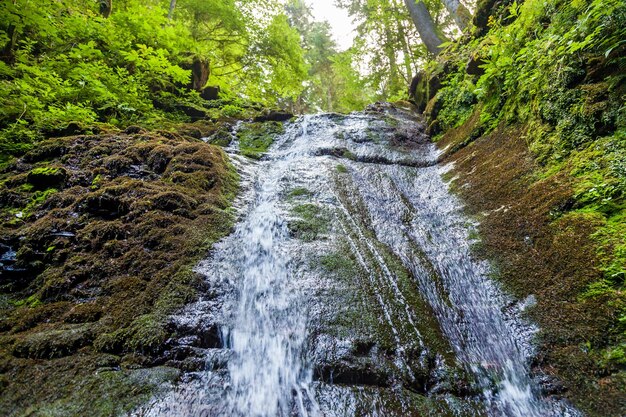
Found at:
[338, 18]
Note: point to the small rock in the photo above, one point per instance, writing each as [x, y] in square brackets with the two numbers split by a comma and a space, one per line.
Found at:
[53, 343]
[210, 93]
[132, 130]
[473, 66]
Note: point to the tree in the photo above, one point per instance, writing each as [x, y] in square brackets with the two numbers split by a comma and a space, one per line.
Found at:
[388, 46]
[333, 83]
[170, 13]
[459, 12]
[106, 7]
[429, 33]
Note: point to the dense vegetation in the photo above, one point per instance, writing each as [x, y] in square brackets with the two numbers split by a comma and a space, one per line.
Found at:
[63, 63]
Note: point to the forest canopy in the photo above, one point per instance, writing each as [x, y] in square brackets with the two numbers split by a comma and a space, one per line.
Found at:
[132, 61]
[120, 62]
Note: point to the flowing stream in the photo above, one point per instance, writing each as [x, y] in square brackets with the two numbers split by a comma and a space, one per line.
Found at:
[348, 288]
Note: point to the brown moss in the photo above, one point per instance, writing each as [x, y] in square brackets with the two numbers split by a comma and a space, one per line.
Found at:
[49, 342]
[107, 257]
[27, 317]
[539, 248]
[159, 157]
[459, 137]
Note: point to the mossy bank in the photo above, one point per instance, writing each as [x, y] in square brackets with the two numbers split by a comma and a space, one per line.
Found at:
[530, 109]
[100, 235]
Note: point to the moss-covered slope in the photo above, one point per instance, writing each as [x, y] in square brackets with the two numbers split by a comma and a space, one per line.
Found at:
[99, 235]
[530, 107]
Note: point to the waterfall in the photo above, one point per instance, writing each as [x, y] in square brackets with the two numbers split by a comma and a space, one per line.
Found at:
[348, 287]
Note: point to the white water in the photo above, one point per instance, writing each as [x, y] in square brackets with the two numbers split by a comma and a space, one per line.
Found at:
[270, 291]
[269, 329]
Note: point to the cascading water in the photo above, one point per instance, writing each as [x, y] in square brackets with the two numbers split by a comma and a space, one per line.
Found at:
[348, 288]
[269, 327]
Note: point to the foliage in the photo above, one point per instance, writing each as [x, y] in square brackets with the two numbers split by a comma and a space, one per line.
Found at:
[388, 46]
[64, 68]
[333, 81]
[459, 98]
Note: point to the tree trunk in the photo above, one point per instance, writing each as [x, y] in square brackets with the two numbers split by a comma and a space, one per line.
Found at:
[425, 26]
[106, 6]
[390, 51]
[170, 14]
[200, 71]
[459, 12]
[405, 51]
[8, 52]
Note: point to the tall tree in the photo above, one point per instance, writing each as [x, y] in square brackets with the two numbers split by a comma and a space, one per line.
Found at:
[170, 13]
[332, 77]
[388, 45]
[459, 13]
[429, 33]
[106, 7]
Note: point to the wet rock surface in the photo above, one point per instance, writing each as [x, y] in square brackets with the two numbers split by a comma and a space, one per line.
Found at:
[348, 288]
[274, 116]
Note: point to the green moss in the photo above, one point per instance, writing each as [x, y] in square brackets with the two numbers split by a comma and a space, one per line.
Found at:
[31, 301]
[107, 393]
[256, 138]
[96, 182]
[46, 171]
[312, 222]
[458, 101]
[222, 138]
[392, 121]
[298, 192]
[448, 176]
[341, 169]
[27, 187]
[337, 263]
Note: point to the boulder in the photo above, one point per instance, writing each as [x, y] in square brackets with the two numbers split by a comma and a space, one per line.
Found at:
[274, 116]
[133, 130]
[484, 9]
[473, 66]
[431, 112]
[210, 93]
[423, 88]
[194, 112]
[53, 343]
[200, 71]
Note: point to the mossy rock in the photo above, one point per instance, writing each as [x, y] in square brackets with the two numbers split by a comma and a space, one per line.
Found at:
[311, 223]
[53, 342]
[47, 177]
[222, 137]
[256, 138]
[159, 157]
[108, 255]
[174, 202]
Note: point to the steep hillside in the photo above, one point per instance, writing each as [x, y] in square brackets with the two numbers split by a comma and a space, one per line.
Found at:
[530, 109]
